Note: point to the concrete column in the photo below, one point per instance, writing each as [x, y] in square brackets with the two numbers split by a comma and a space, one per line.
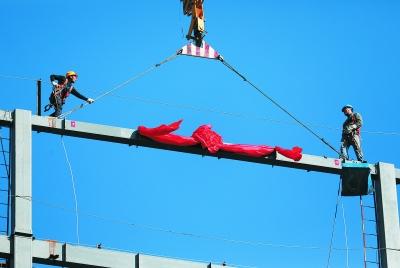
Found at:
[387, 216]
[21, 190]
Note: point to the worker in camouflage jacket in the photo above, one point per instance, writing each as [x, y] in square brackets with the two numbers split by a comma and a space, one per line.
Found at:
[351, 134]
[63, 86]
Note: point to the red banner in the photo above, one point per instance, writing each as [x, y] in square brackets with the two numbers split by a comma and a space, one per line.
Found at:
[212, 141]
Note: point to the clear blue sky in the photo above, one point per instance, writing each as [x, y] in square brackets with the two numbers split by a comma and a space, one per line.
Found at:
[311, 56]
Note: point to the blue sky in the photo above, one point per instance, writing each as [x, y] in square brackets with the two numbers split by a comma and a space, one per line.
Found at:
[312, 57]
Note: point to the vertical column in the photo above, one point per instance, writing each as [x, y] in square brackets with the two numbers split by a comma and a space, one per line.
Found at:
[39, 97]
[21, 190]
[387, 216]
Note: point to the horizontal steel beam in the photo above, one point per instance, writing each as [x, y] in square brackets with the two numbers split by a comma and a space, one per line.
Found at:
[6, 118]
[132, 138]
[66, 255]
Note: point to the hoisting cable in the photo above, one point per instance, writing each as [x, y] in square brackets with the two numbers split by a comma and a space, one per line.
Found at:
[17, 77]
[130, 80]
[73, 188]
[277, 104]
[345, 235]
[334, 223]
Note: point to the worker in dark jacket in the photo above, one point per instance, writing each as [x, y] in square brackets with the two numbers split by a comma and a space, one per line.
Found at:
[351, 134]
[62, 87]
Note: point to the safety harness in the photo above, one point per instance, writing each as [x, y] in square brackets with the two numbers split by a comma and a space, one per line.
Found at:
[354, 121]
[59, 90]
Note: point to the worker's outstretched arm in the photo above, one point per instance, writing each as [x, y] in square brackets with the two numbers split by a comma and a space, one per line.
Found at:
[80, 96]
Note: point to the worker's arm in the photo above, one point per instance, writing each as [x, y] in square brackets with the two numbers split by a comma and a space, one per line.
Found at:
[356, 123]
[57, 79]
[352, 123]
[358, 120]
[80, 96]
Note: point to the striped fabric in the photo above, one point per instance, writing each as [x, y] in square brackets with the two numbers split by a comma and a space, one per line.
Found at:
[205, 51]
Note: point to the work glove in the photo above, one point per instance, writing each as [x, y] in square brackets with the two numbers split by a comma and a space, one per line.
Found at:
[90, 100]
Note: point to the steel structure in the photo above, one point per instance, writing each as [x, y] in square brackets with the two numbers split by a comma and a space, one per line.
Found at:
[22, 250]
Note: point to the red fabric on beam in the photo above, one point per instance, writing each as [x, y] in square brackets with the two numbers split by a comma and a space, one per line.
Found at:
[294, 153]
[173, 139]
[208, 138]
[213, 142]
[249, 150]
[160, 130]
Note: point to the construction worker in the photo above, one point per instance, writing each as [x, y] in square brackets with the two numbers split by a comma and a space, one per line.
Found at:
[62, 87]
[351, 134]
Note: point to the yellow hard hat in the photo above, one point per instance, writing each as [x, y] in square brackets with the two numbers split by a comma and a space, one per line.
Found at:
[70, 73]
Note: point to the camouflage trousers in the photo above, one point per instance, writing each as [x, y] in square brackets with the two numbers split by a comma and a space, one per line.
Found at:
[351, 140]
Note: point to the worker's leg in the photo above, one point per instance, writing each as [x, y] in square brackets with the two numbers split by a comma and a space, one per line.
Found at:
[57, 106]
[344, 147]
[357, 148]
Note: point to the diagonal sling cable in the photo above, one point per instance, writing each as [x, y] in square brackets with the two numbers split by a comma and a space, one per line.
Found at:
[130, 80]
[277, 104]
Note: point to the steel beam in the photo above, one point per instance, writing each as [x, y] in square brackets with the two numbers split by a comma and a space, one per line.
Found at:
[4, 246]
[146, 261]
[131, 137]
[387, 216]
[21, 190]
[6, 118]
[66, 255]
